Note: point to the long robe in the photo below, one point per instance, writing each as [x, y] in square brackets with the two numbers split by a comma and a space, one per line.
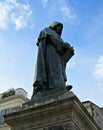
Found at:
[50, 68]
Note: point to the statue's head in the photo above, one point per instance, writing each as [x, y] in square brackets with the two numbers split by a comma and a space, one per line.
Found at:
[57, 27]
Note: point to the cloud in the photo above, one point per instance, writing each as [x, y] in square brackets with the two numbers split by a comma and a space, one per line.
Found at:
[71, 64]
[60, 9]
[101, 89]
[44, 2]
[66, 12]
[14, 13]
[98, 72]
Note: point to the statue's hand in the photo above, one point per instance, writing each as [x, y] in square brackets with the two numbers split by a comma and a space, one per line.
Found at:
[67, 45]
[59, 50]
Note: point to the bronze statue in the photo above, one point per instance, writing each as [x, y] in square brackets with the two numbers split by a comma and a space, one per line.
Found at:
[53, 54]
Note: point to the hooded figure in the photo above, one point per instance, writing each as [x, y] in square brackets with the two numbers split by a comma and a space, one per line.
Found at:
[50, 66]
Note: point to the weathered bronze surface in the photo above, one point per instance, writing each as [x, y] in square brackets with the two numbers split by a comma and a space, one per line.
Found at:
[53, 54]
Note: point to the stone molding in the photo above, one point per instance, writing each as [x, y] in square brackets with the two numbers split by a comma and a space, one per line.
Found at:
[67, 112]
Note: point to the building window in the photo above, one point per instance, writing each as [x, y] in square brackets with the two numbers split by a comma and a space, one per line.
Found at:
[4, 112]
[9, 93]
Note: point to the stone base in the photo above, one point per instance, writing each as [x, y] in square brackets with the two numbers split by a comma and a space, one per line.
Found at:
[46, 96]
[63, 113]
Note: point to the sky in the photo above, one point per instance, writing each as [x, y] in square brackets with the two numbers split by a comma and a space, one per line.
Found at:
[20, 24]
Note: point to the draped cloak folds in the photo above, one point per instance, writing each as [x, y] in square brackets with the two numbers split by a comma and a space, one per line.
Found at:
[50, 68]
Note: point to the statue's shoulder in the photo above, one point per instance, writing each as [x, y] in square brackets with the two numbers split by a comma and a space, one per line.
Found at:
[46, 30]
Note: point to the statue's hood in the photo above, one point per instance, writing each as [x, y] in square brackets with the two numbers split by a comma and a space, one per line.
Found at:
[54, 24]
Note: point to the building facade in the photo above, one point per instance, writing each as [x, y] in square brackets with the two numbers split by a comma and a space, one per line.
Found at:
[11, 101]
[95, 111]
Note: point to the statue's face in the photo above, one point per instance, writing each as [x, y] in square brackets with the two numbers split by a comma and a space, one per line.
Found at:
[58, 28]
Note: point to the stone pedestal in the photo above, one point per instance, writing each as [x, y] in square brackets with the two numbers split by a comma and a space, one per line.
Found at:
[64, 113]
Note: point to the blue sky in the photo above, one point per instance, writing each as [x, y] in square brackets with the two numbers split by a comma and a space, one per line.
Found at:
[20, 24]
